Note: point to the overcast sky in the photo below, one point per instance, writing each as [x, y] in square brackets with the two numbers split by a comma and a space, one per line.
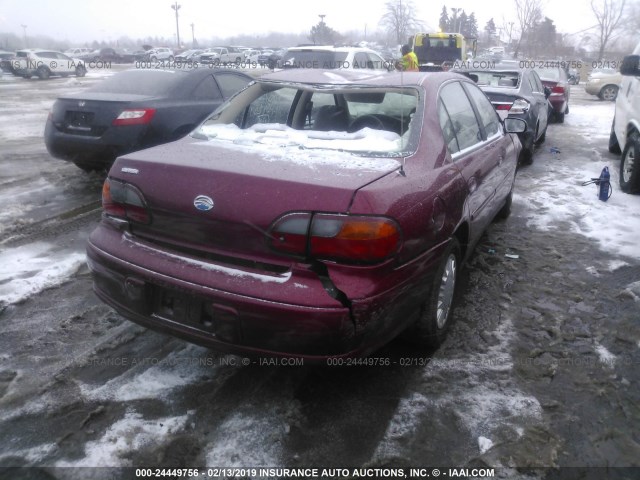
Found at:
[79, 21]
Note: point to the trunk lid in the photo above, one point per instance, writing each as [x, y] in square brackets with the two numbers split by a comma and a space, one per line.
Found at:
[93, 113]
[247, 188]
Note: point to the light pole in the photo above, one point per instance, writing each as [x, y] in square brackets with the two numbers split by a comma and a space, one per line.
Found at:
[176, 7]
[24, 32]
[193, 36]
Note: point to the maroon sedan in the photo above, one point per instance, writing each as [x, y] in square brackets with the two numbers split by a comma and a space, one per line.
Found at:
[556, 80]
[316, 214]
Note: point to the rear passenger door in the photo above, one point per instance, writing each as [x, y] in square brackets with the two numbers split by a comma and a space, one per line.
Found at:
[476, 144]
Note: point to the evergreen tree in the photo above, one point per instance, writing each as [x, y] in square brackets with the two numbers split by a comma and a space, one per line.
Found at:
[445, 22]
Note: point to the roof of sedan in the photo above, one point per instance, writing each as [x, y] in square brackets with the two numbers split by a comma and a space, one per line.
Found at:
[347, 77]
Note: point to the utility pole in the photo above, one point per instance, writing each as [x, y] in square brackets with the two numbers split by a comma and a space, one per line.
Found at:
[176, 7]
[193, 36]
[24, 32]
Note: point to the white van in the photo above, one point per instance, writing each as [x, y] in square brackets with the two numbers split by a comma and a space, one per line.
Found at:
[625, 131]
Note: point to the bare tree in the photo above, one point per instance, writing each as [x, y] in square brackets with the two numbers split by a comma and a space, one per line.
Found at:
[609, 17]
[529, 13]
[399, 20]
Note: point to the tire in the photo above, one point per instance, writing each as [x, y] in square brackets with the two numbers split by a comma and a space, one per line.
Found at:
[559, 117]
[542, 138]
[432, 326]
[608, 93]
[505, 211]
[170, 58]
[43, 73]
[614, 146]
[630, 166]
[526, 156]
[80, 71]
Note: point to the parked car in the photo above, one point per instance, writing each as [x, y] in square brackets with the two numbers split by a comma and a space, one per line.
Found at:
[78, 51]
[333, 58]
[263, 58]
[45, 63]
[109, 54]
[517, 93]
[132, 110]
[188, 56]
[317, 214]
[557, 80]
[5, 61]
[604, 83]
[625, 131]
[159, 54]
[222, 55]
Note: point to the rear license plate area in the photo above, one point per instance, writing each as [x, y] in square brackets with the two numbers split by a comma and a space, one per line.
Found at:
[79, 120]
[182, 308]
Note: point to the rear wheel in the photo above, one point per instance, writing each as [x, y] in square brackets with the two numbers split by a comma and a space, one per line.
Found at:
[630, 166]
[80, 71]
[43, 73]
[560, 117]
[431, 328]
[608, 93]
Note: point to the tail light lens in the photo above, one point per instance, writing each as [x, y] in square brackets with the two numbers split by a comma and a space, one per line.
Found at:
[341, 238]
[519, 106]
[135, 116]
[124, 201]
[502, 106]
[558, 90]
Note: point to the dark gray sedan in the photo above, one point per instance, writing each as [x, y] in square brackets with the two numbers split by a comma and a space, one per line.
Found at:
[517, 93]
[135, 109]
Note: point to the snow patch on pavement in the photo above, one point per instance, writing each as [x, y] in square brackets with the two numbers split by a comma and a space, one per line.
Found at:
[29, 269]
[117, 446]
[177, 370]
[248, 438]
[481, 407]
[557, 199]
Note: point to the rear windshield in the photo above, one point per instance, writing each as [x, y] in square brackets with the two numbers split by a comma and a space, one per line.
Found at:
[140, 82]
[373, 121]
[549, 74]
[497, 79]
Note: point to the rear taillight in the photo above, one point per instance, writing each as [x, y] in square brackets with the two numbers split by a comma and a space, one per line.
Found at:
[519, 106]
[135, 116]
[558, 89]
[124, 201]
[502, 106]
[336, 237]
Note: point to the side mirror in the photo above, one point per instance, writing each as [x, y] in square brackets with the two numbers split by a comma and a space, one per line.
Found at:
[547, 92]
[631, 65]
[515, 125]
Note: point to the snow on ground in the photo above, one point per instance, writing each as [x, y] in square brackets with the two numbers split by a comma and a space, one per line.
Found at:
[481, 410]
[175, 371]
[127, 435]
[32, 268]
[251, 437]
[556, 198]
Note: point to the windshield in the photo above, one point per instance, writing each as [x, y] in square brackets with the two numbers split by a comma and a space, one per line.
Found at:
[372, 121]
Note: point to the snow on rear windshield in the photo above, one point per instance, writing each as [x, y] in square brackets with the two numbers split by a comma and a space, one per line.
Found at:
[372, 121]
[140, 82]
